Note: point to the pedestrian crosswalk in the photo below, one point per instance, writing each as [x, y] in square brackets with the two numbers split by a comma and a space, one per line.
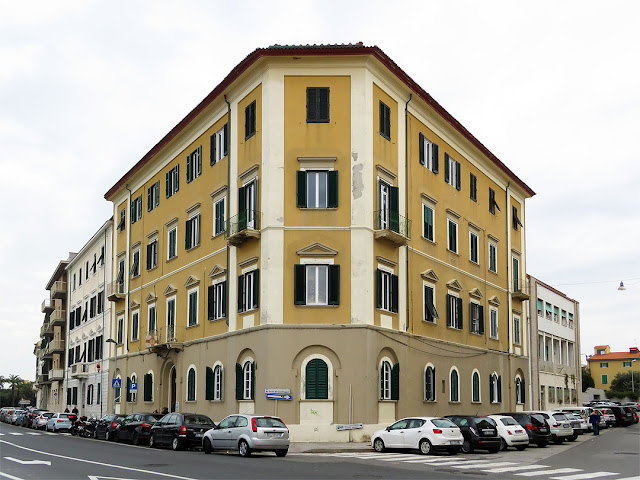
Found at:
[17, 434]
[486, 466]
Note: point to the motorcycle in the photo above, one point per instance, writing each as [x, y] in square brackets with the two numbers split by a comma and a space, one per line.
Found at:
[90, 427]
[77, 427]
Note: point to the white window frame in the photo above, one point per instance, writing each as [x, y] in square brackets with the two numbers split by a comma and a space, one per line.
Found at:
[473, 373]
[218, 293]
[220, 144]
[626, 364]
[223, 201]
[384, 204]
[453, 175]
[155, 318]
[194, 226]
[432, 286]
[248, 280]
[471, 319]
[318, 200]
[385, 287]
[312, 273]
[170, 300]
[172, 229]
[120, 331]
[195, 384]
[251, 201]
[449, 222]
[194, 291]
[451, 321]
[247, 370]
[493, 325]
[154, 189]
[385, 380]
[493, 247]
[433, 221]
[451, 370]
[135, 327]
[428, 153]
[474, 235]
[218, 375]
[136, 253]
[154, 256]
[515, 276]
[517, 330]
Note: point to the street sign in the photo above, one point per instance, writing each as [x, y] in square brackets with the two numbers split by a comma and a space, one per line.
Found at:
[278, 396]
[116, 383]
[133, 387]
[350, 426]
[277, 391]
[28, 402]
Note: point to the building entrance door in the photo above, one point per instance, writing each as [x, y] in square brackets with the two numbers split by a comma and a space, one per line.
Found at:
[172, 390]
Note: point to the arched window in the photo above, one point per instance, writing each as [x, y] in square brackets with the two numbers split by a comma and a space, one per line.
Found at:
[385, 381]
[520, 390]
[131, 394]
[148, 387]
[430, 384]
[191, 385]
[245, 380]
[495, 388]
[475, 384]
[455, 386]
[316, 380]
[217, 383]
[117, 391]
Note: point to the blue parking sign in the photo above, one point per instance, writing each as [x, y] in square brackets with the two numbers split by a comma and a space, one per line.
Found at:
[116, 383]
[133, 387]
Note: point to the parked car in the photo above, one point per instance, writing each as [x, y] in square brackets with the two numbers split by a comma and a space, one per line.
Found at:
[607, 415]
[180, 430]
[584, 413]
[40, 421]
[136, 427]
[248, 433]
[106, 426]
[579, 424]
[559, 426]
[14, 415]
[426, 434]
[534, 425]
[17, 418]
[624, 416]
[478, 432]
[511, 433]
[58, 421]
[27, 420]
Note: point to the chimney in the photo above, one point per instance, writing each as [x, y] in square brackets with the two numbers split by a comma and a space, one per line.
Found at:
[633, 350]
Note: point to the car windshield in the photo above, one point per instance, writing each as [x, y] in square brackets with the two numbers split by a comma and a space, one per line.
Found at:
[63, 415]
[485, 422]
[269, 422]
[443, 423]
[47, 414]
[559, 416]
[197, 420]
[508, 421]
[152, 417]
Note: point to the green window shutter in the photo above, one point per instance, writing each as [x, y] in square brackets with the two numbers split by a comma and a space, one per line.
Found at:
[149, 199]
[242, 208]
[421, 144]
[187, 235]
[316, 380]
[199, 159]
[247, 121]
[129, 395]
[256, 288]
[394, 220]
[212, 150]
[225, 142]
[299, 285]
[240, 293]
[334, 285]
[449, 313]
[378, 288]
[189, 172]
[382, 129]
[253, 381]
[481, 313]
[395, 382]
[459, 313]
[209, 384]
[434, 157]
[499, 388]
[491, 397]
[458, 174]
[210, 298]
[312, 105]
[332, 189]
[301, 189]
[446, 167]
[323, 104]
[239, 382]
[394, 293]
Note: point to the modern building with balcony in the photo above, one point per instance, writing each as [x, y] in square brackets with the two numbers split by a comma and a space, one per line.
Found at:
[50, 349]
[89, 325]
[555, 346]
[349, 242]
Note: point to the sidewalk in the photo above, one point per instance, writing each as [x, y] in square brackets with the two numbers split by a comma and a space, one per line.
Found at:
[329, 447]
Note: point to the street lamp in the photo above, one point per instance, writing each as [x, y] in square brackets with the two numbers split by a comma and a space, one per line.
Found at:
[632, 362]
[115, 368]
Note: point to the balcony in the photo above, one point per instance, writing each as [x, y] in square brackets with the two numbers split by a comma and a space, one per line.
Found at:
[243, 226]
[42, 378]
[115, 291]
[56, 374]
[58, 317]
[55, 346]
[47, 306]
[520, 291]
[155, 345]
[59, 289]
[46, 329]
[79, 370]
[46, 353]
[391, 226]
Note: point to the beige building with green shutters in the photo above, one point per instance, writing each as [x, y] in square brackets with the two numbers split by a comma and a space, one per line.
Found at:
[348, 245]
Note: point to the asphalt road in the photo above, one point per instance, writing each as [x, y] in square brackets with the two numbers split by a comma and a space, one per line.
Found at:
[25, 455]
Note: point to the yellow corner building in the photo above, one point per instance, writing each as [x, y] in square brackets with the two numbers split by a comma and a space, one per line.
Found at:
[604, 365]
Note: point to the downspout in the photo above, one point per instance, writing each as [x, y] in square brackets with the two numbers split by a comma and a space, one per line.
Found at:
[104, 303]
[406, 205]
[509, 293]
[228, 140]
[126, 306]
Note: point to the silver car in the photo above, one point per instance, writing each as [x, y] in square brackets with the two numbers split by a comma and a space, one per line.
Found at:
[248, 433]
[58, 421]
[40, 421]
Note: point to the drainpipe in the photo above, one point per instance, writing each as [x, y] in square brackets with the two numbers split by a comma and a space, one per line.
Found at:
[228, 140]
[126, 305]
[104, 302]
[406, 204]
[509, 292]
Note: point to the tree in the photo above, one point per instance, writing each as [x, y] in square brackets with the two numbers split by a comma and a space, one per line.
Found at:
[14, 382]
[622, 382]
[3, 380]
[587, 380]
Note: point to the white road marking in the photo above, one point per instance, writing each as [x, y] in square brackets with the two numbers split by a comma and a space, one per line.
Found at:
[404, 458]
[29, 462]
[495, 464]
[629, 478]
[10, 477]
[1, 434]
[33, 433]
[515, 469]
[96, 463]
[15, 433]
[550, 472]
[584, 476]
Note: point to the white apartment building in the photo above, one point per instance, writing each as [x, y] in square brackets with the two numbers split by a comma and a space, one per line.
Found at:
[88, 321]
[555, 350]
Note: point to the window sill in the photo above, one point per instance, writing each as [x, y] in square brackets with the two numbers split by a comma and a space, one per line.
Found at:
[216, 319]
[192, 326]
[149, 402]
[433, 242]
[248, 311]
[453, 402]
[193, 247]
[455, 253]
[491, 271]
[172, 258]
[476, 333]
[219, 400]
[135, 340]
[454, 328]
[494, 338]
[133, 277]
[429, 322]
[475, 263]
[429, 401]
[152, 268]
[317, 306]
[190, 401]
[478, 402]
[216, 235]
[318, 209]
[386, 311]
[246, 400]
[383, 400]
[321, 400]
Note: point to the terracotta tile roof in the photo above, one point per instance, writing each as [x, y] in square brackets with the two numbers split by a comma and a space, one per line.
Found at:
[614, 356]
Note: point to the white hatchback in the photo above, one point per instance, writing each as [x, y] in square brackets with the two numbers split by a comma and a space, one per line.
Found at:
[423, 433]
[511, 433]
[559, 426]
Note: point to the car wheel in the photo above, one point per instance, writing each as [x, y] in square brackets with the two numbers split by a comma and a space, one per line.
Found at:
[557, 440]
[503, 445]
[135, 439]
[425, 447]
[542, 444]
[206, 446]
[175, 444]
[572, 438]
[494, 449]
[467, 447]
[95, 434]
[243, 448]
[520, 447]
[152, 441]
[378, 445]
[282, 453]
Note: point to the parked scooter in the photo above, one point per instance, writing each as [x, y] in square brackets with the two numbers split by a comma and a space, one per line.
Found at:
[89, 427]
[77, 427]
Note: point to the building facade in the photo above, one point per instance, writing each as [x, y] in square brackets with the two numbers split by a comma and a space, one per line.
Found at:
[555, 347]
[605, 365]
[50, 350]
[348, 241]
[89, 325]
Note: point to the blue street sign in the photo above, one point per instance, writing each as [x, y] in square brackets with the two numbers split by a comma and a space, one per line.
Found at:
[116, 383]
[133, 387]
[278, 396]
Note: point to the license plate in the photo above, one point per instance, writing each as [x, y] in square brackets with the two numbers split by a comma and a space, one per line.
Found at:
[519, 431]
[198, 435]
[543, 430]
[566, 426]
[272, 435]
[455, 442]
[487, 431]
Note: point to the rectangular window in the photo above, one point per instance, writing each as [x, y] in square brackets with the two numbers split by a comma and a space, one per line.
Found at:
[452, 171]
[74, 281]
[217, 301]
[515, 221]
[516, 275]
[317, 189]
[516, 331]
[136, 209]
[564, 318]
[316, 284]
[427, 215]
[101, 259]
[605, 379]
[121, 223]
[556, 311]
[494, 323]
[135, 317]
[571, 320]
[172, 243]
[547, 308]
[98, 355]
[100, 302]
[430, 312]
[626, 364]
[92, 307]
[135, 265]
[248, 205]
[192, 314]
[80, 277]
[151, 319]
[473, 187]
[171, 319]
[539, 307]
[91, 350]
[250, 120]
[194, 164]
[192, 232]
[385, 121]
[86, 270]
[476, 318]
[219, 144]
[120, 330]
[453, 235]
[428, 154]
[454, 312]
[152, 254]
[317, 104]
[248, 288]
[316, 195]
[153, 196]
[219, 213]
[172, 179]
[492, 202]
[387, 291]
[604, 364]
[473, 247]
[388, 216]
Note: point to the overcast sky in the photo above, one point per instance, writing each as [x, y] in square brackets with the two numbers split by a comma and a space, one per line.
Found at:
[551, 88]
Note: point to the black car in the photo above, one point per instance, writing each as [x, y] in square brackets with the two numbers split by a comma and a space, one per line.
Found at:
[535, 426]
[106, 426]
[625, 416]
[136, 427]
[180, 430]
[27, 420]
[478, 432]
